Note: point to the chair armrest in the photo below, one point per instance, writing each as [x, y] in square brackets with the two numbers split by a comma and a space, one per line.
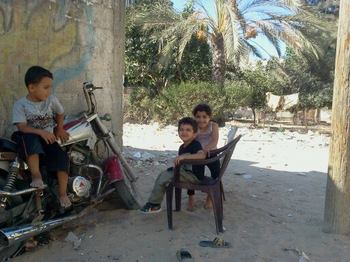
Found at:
[197, 162]
[213, 155]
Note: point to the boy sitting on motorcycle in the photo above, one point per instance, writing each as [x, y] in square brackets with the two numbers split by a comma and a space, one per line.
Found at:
[190, 149]
[38, 118]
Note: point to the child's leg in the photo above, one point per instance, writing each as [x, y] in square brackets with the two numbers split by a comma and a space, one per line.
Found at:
[62, 177]
[57, 161]
[190, 205]
[29, 148]
[33, 164]
[160, 184]
[186, 176]
[208, 203]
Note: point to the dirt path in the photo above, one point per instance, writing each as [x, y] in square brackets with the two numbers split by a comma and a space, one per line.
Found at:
[275, 188]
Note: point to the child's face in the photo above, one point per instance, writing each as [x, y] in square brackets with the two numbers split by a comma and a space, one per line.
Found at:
[202, 119]
[186, 133]
[40, 91]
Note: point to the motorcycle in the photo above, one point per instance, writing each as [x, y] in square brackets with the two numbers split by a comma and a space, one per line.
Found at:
[26, 212]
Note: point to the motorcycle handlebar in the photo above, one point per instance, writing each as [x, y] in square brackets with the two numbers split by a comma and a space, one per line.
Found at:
[90, 86]
[88, 89]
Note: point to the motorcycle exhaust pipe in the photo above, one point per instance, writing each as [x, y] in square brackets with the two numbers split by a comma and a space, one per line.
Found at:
[12, 235]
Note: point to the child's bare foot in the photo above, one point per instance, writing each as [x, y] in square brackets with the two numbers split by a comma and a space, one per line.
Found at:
[37, 182]
[208, 204]
[30, 244]
[190, 205]
[65, 202]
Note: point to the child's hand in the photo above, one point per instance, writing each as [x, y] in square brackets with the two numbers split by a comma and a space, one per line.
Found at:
[61, 134]
[178, 159]
[48, 137]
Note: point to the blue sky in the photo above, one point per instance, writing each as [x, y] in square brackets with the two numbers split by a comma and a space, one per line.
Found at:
[260, 40]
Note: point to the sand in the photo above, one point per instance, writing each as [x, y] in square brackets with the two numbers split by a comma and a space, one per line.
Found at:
[275, 190]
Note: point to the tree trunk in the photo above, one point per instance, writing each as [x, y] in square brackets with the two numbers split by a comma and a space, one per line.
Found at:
[219, 63]
[337, 204]
[254, 116]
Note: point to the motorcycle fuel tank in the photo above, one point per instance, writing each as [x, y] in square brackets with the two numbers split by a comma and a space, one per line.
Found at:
[79, 130]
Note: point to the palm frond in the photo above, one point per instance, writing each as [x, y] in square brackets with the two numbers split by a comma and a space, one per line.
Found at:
[231, 35]
[210, 20]
[254, 50]
[270, 33]
[157, 16]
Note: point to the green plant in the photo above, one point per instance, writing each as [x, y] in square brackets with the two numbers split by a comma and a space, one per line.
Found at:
[231, 30]
[140, 106]
[178, 100]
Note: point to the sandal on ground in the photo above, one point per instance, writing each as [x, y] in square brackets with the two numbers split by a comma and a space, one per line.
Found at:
[216, 243]
[183, 255]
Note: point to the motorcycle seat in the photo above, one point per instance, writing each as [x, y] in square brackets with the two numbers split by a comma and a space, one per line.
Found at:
[7, 145]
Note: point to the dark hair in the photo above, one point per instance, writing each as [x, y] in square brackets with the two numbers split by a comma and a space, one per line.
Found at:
[34, 75]
[202, 108]
[188, 121]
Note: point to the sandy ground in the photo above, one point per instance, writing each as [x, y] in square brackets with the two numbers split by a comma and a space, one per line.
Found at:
[275, 188]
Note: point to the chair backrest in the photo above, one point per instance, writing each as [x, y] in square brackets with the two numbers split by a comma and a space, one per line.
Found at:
[228, 154]
[231, 134]
[223, 153]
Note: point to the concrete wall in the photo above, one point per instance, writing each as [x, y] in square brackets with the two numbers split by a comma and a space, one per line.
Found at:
[78, 40]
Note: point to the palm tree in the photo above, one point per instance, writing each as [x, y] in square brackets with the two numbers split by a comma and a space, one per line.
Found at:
[231, 31]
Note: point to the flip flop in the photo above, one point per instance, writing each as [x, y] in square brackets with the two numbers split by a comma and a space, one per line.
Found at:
[216, 243]
[183, 255]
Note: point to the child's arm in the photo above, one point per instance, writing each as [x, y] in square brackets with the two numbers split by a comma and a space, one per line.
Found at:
[197, 156]
[59, 130]
[47, 136]
[214, 138]
[59, 118]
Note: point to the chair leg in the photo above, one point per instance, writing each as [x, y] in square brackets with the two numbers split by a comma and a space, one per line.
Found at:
[222, 198]
[178, 199]
[169, 205]
[222, 191]
[215, 195]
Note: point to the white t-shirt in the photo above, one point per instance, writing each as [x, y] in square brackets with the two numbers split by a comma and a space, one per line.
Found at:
[40, 115]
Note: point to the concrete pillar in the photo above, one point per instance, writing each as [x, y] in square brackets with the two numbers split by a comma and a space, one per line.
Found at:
[77, 40]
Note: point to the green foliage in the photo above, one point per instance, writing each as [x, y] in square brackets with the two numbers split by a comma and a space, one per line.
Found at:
[142, 59]
[257, 82]
[146, 66]
[140, 106]
[237, 23]
[313, 81]
[196, 62]
[249, 88]
[178, 100]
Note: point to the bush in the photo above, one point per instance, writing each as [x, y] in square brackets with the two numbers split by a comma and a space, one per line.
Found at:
[177, 101]
[139, 108]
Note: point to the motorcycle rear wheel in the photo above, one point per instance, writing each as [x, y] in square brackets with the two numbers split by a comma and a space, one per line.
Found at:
[123, 192]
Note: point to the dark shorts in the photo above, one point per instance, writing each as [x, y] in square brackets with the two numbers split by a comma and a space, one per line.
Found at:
[214, 172]
[51, 155]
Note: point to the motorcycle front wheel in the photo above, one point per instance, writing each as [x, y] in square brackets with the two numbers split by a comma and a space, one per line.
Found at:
[124, 194]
